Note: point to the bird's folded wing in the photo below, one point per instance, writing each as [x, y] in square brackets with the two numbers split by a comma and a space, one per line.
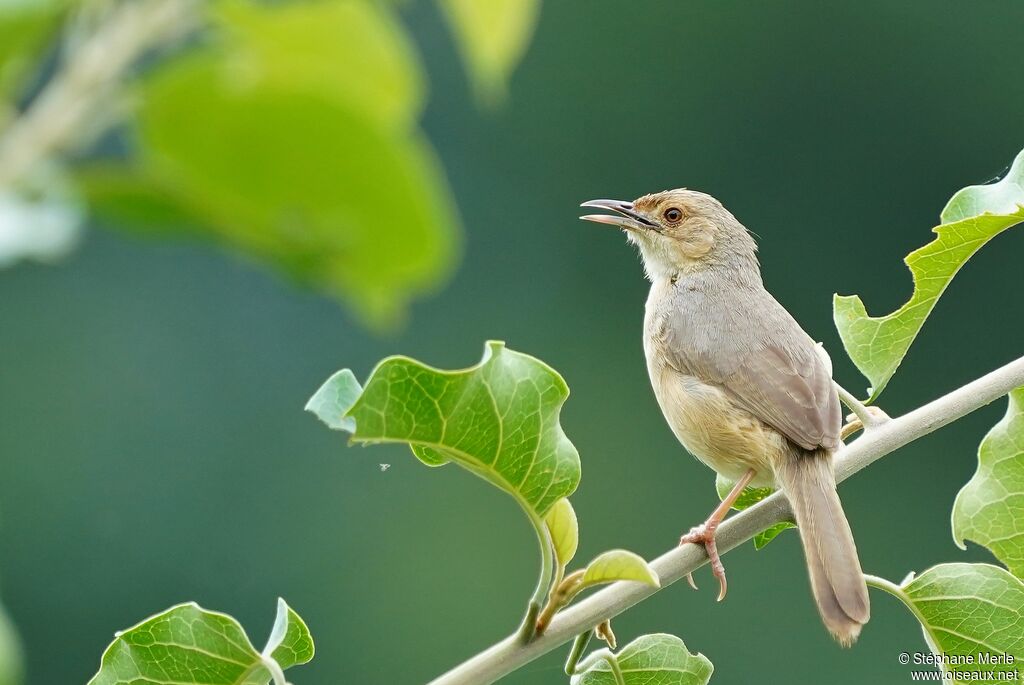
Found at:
[771, 368]
[791, 392]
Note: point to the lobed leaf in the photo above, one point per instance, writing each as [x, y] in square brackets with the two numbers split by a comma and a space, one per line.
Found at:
[972, 217]
[492, 37]
[990, 509]
[187, 645]
[564, 530]
[970, 609]
[619, 564]
[498, 419]
[748, 498]
[657, 659]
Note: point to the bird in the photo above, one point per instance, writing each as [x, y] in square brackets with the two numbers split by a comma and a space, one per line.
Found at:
[742, 386]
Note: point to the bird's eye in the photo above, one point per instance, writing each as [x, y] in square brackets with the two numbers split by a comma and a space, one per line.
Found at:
[672, 214]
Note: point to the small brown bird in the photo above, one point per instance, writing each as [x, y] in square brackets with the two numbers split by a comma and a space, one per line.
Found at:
[742, 386]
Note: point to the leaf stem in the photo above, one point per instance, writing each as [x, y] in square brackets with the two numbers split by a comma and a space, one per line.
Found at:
[897, 592]
[608, 657]
[510, 654]
[547, 563]
[868, 418]
[560, 595]
[276, 672]
[576, 653]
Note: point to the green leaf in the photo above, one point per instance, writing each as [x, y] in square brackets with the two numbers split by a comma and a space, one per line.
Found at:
[332, 402]
[292, 139]
[188, 645]
[990, 508]
[968, 609]
[429, 456]
[138, 202]
[498, 419]
[26, 28]
[747, 498]
[564, 530]
[657, 659]
[302, 182]
[493, 37]
[354, 51]
[1003, 197]
[10, 652]
[290, 643]
[973, 216]
[619, 564]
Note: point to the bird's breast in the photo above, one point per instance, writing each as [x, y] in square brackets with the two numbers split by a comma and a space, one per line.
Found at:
[706, 420]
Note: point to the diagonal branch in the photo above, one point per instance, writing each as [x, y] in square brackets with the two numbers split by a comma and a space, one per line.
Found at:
[509, 654]
[86, 80]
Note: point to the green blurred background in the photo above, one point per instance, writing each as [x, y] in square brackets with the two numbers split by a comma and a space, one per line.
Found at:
[154, 448]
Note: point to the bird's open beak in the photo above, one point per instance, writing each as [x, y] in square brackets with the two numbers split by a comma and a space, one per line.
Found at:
[627, 217]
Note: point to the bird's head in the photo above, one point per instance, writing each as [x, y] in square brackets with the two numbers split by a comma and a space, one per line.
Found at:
[680, 231]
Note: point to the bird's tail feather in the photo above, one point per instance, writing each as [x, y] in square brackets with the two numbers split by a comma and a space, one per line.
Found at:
[836, 577]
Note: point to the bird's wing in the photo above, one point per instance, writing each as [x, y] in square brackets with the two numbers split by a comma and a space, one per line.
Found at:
[764, 360]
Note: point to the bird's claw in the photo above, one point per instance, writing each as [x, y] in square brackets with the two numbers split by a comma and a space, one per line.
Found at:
[704, 534]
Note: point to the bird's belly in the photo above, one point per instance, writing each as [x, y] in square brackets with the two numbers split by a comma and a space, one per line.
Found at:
[724, 436]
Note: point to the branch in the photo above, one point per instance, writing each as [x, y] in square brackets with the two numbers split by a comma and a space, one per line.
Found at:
[64, 111]
[884, 438]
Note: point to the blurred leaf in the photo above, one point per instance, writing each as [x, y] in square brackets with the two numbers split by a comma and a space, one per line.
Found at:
[492, 36]
[969, 609]
[43, 220]
[26, 28]
[300, 181]
[619, 564]
[747, 498]
[353, 51]
[990, 508]
[564, 530]
[10, 652]
[657, 659]
[972, 217]
[188, 645]
[498, 419]
[137, 201]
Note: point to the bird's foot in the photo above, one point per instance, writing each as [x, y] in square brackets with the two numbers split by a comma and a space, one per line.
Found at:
[704, 534]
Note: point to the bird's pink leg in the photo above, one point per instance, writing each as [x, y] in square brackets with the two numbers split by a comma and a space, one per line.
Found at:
[704, 534]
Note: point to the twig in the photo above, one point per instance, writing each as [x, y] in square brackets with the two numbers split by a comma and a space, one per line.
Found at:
[510, 654]
[63, 112]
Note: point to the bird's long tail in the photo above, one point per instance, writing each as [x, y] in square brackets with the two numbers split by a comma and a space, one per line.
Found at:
[836, 576]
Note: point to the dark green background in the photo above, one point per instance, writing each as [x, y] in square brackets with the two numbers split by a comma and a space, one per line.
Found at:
[154, 448]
